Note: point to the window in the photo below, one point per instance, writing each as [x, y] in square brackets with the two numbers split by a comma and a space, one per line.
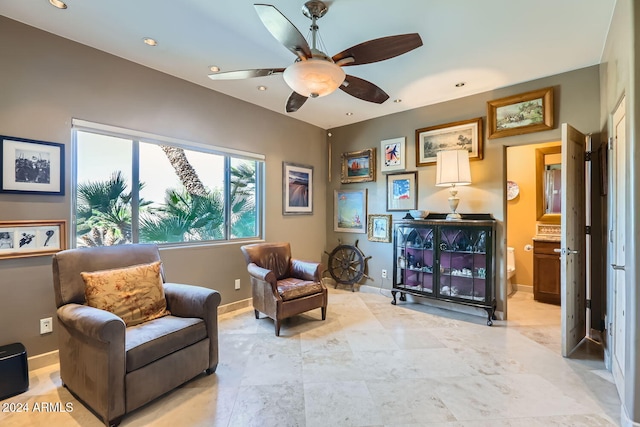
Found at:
[139, 188]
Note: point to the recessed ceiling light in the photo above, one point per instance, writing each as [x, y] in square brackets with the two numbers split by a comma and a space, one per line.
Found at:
[262, 88]
[149, 41]
[57, 3]
[214, 68]
[460, 84]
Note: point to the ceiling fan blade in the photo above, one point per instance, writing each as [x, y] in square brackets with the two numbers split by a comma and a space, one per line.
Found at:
[245, 74]
[363, 89]
[295, 101]
[378, 49]
[283, 30]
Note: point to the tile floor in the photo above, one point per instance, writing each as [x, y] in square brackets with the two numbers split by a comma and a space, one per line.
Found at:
[371, 364]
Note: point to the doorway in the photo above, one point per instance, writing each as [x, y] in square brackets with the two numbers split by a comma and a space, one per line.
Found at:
[522, 225]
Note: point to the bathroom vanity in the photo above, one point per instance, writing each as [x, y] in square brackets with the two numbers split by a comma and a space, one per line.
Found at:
[449, 260]
[546, 270]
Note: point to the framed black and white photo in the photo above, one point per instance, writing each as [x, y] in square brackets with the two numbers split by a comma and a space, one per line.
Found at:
[31, 167]
[297, 189]
[20, 239]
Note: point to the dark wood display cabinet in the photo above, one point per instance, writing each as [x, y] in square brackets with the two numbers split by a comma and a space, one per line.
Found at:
[546, 271]
[449, 260]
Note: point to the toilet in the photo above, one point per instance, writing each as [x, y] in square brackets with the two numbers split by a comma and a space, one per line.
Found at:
[511, 270]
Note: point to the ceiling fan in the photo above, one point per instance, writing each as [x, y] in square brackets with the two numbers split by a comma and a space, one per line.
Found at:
[314, 74]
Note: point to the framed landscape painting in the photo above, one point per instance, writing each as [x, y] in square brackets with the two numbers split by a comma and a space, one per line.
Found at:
[31, 167]
[519, 114]
[297, 189]
[350, 211]
[359, 166]
[465, 134]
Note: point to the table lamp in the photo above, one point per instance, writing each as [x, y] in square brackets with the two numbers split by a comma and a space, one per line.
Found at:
[452, 168]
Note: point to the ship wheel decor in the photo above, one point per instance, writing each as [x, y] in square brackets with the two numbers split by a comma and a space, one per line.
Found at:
[347, 264]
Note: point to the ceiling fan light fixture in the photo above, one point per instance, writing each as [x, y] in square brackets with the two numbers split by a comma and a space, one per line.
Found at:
[314, 78]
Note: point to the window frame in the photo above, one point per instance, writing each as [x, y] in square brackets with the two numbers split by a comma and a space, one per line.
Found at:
[136, 137]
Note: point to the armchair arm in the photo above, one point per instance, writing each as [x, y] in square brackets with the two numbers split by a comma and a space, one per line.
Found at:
[92, 322]
[262, 274]
[200, 302]
[306, 270]
[191, 301]
[92, 357]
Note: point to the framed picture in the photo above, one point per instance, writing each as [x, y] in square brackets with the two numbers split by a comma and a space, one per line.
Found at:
[379, 228]
[31, 167]
[350, 211]
[465, 134]
[402, 191]
[393, 154]
[31, 238]
[518, 114]
[297, 189]
[359, 166]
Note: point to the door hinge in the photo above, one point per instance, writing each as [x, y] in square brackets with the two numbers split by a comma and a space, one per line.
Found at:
[587, 229]
[588, 303]
[587, 156]
[610, 143]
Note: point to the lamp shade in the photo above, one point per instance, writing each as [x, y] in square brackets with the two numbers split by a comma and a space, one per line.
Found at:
[314, 77]
[452, 168]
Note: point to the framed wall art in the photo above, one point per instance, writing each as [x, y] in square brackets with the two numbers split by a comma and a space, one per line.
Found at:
[393, 154]
[402, 191]
[350, 211]
[31, 167]
[31, 238]
[297, 189]
[379, 228]
[358, 166]
[465, 134]
[523, 113]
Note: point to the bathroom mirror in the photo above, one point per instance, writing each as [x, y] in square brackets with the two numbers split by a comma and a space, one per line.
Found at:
[548, 184]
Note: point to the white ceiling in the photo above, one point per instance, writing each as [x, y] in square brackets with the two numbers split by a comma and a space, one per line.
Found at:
[487, 44]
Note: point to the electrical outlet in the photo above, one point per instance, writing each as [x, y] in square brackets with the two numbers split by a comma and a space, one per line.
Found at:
[237, 284]
[46, 325]
[384, 274]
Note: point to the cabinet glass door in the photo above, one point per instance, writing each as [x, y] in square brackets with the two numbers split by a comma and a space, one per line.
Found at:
[415, 258]
[463, 263]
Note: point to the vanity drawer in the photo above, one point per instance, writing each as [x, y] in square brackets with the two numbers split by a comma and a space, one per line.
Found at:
[542, 247]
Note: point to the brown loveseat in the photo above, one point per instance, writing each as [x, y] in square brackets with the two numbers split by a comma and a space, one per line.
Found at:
[114, 368]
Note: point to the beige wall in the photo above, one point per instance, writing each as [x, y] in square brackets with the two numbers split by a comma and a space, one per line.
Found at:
[577, 101]
[521, 211]
[45, 81]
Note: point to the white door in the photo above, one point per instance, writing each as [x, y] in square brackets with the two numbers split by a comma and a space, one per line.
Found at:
[618, 197]
[573, 240]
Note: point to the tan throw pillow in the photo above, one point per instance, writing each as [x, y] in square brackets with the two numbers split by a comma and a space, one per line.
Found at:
[135, 294]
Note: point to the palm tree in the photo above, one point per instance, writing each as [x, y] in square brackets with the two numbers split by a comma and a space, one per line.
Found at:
[243, 200]
[184, 217]
[105, 205]
[186, 173]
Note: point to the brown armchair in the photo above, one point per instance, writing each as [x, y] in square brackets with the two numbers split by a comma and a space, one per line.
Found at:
[282, 286]
[114, 368]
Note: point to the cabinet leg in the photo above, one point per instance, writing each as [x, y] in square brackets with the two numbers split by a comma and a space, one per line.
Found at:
[403, 296]
[490, 316]
[393, 294]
